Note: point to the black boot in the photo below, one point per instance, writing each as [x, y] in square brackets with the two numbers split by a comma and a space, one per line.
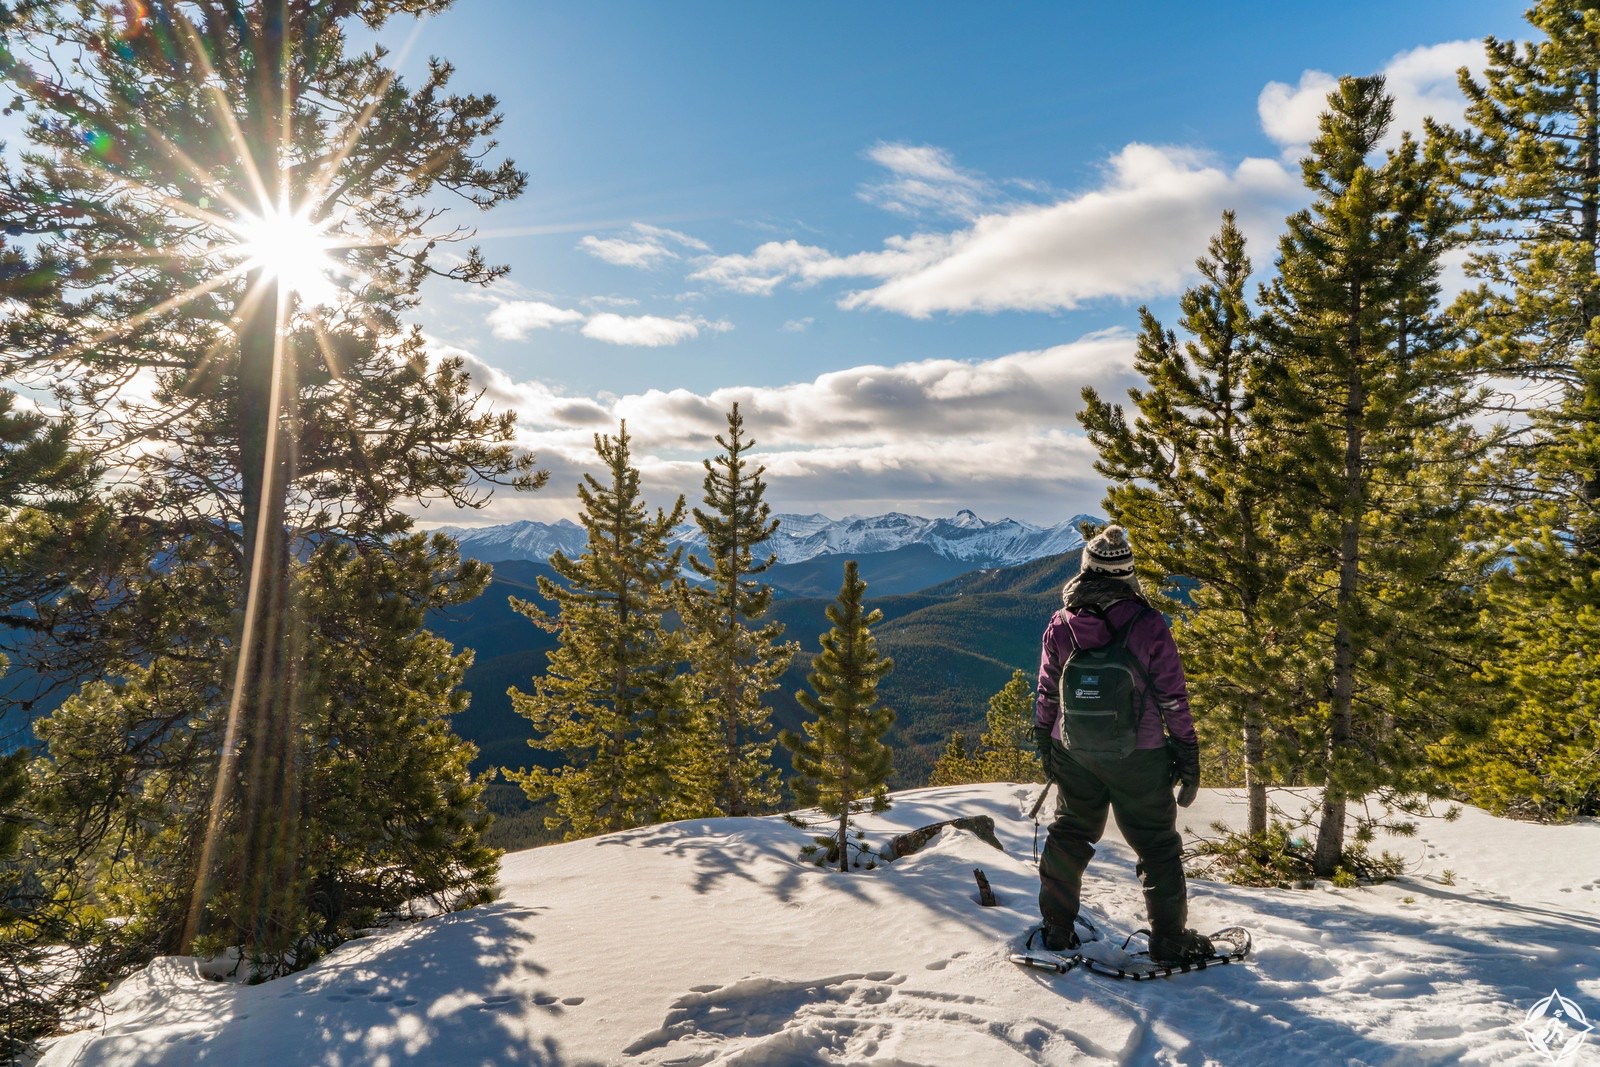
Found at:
[1058, 938]
[1184, 946]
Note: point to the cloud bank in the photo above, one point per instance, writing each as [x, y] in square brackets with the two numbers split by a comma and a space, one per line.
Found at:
[930, 436]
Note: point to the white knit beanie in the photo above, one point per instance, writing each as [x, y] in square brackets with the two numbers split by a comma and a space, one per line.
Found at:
[1109, 553]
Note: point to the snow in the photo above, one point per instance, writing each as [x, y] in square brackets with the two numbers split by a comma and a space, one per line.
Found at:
[710, 943]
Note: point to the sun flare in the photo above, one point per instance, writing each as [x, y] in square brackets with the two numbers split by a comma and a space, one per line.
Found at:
[290, 246]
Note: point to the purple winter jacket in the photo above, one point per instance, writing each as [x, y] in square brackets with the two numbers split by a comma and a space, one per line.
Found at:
[1150, 640]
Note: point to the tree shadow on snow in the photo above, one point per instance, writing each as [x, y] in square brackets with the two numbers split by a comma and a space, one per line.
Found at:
[457, 989]
[720, 850]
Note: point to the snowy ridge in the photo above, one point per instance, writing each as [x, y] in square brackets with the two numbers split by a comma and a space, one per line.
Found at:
[519, 540]
[708, 942]
[965, 537]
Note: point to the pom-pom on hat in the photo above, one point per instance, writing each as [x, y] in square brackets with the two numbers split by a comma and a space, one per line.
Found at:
[1109, 553]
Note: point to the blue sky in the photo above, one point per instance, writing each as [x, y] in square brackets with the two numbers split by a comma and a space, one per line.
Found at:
[901, 236]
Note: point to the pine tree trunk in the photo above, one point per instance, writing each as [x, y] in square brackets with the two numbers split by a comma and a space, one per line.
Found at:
[1254, 758]
[733, 792]
[1330, 833]
[1588, 537]
[619, 688]
[844, 842]
[265, 695]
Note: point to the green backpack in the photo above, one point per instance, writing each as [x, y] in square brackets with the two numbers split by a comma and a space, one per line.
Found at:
[1100, 705]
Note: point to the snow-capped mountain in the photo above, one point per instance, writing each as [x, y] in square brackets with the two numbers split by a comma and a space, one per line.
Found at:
[964, 537]
[519, 540]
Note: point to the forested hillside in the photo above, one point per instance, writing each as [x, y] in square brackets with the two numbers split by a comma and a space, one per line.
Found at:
[954, 646]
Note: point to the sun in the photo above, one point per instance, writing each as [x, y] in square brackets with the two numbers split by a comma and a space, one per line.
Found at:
[286, 244]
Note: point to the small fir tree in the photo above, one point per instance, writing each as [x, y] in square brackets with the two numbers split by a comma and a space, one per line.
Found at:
[1005, 752]
[734, 661]
[59, 552]
[955, 765]
[841, 764]
[610, 702]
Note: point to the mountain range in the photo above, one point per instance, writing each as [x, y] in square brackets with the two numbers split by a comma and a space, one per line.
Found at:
[963, 538]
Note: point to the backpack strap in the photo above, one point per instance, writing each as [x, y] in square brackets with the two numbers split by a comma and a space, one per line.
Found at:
[1120, 638]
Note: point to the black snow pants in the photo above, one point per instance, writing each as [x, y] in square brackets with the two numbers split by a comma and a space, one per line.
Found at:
[1138, 790]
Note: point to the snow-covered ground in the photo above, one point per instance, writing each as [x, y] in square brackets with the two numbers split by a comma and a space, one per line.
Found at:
[708, 942]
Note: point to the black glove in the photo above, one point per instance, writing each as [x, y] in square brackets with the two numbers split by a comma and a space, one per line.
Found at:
[1043, 745]
[1185, 769]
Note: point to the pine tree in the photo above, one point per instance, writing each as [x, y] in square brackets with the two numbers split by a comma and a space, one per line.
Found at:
[58, 547]
[1189, 474]
[734, 662]
[955, 765]
[610, 702]
[1527, 164]
[841, 764]
[379, 692]
[1361, 396]
[1005, 752]
[250, 417]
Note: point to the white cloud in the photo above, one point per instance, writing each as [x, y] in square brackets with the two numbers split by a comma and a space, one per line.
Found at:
[931, 399]
[513, 320]
[928, 436]
[651, 331]
[625, 253]
[1423, 82]
[647, 247]
[925, 179]
[773, 263]
[1134, 235]
[661, 233]
[800, 325]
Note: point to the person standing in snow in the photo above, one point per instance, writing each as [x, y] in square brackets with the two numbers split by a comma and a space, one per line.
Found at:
[1133, 773]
